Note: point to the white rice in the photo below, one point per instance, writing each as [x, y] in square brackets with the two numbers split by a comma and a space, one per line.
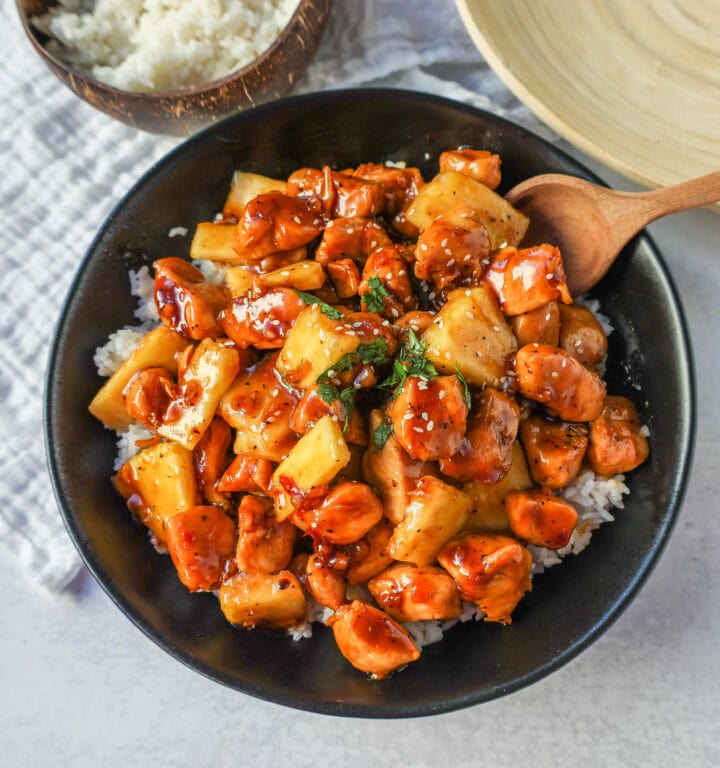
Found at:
[160, 45]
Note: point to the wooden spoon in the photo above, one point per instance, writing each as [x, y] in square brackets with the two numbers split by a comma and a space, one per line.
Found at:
[591, 224]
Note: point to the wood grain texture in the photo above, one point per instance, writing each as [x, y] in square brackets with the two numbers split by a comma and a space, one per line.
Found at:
[635, 83]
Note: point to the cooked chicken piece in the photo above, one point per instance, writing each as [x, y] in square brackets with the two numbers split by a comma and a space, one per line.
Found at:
[274, 223]
[429, 417]
[478, 164]
[264, 544]
[416, 593]
[392, 472]
[539, 326]
[342, 195]
[262, 321]
[185, 302]
[345, 515]
[400, 185]
[350, 238]
[246, 473]
[617, 442]
[526, 279]
[210, 458]
[491, 570]
[551, 377]
[201, 543]
[371, 641]
[540, 518]
[554, 449]
[325, 583]
[581, 335]
[485, 454]
[385, 286]
[369, 555]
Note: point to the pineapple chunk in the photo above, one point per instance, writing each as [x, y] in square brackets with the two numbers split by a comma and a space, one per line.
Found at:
[470, 332]
[259, 406]
[158, 483]
[448, 189]
[305, 275]
[314, 461]
[263, 600]
[214, 241]
[156, 350]
[488, 512]
[240, 280]
[312, 346]
[211, 371]
[246, 186]
[435, 513]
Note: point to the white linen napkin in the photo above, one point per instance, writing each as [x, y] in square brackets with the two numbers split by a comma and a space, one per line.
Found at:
[65, 165]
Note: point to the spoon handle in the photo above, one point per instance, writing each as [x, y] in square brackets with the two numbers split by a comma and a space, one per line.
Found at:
[629, 212]
[680, 197]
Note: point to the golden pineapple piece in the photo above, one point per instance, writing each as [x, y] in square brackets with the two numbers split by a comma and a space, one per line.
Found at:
[158, 483]
[488, 510]
[213, 241]
[241, 279]
[435, 513]
[313, 345]
[305, 275]
[245, 186]
[448, 189]
[470, 332]
[156, 350]
[210, 373]
[263, 600]
[314, 461]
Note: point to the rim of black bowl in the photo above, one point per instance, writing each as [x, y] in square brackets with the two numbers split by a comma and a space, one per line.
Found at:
[379, 710]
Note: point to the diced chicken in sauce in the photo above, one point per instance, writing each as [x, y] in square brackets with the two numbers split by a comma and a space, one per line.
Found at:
[379, 406]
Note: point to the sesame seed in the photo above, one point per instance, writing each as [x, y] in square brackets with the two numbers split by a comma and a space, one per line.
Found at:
[467, 257]
[443, 243]
[430, 425]
[388, 276]
[469, 315]
[549, 276]
[554, 374]
[422, 384]
[373, 244]
[376, 331]
[478, 353]
[285, 273]
[275, 392]
[449, 262]
[296, 219]
[402, 273]
[423, 247]
[418, 429]
[408, 416]
[394, 312]
[350, 231]
[564, 363]
[468, 293]
[496, 328]
[447, 355]
[547, 317]
[577, 342]
[431, 296]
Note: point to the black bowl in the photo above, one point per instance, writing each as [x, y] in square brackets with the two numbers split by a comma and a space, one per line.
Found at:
[570, 606]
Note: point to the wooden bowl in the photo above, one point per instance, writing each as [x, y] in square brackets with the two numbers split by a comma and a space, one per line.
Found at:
[184, 111]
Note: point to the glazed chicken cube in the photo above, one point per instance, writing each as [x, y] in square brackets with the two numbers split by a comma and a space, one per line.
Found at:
[416, 593]
[429, 417]
[581, 335]
[540, 518]
[478, 164]
[201, 543]
[617, 440]
[526, 279]
[551, 377]
[491, 570]
[372, 641]
[554, 449]
[485, 454]
[264, 545]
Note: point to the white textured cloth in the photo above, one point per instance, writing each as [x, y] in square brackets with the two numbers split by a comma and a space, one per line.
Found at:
[65, 165]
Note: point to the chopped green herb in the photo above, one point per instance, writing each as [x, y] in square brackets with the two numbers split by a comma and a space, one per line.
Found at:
[373, 352]
[381, 435]
[374, 297]
[466, 390]
[326, 309]
[328, 392]
[347, 398]
[410, 362]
